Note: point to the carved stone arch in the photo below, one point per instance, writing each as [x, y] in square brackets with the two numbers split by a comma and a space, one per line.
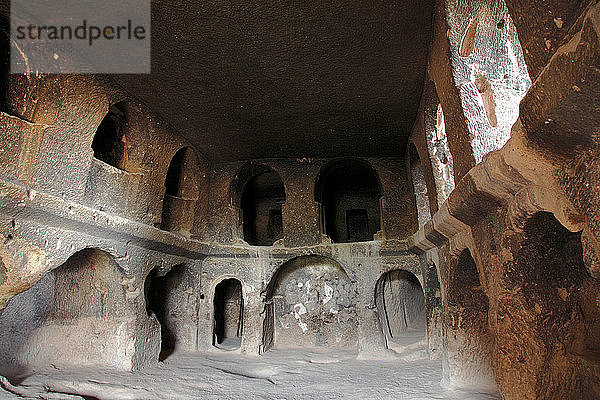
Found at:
[349, 193]
[310, 301]
[258, 194]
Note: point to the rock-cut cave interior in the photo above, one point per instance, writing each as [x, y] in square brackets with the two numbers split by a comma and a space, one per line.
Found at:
[309, 200]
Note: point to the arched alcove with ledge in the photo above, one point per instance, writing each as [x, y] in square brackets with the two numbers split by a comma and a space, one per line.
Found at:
[181, 192]
[465, 289]
[259, 193]
[349, 194]
[400, 302]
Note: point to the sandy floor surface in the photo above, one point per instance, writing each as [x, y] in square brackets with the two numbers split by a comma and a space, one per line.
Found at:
[280, 374]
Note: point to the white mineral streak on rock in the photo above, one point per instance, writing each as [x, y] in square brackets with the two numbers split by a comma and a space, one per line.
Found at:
[512, 56]
[299, 310]
[328, 293]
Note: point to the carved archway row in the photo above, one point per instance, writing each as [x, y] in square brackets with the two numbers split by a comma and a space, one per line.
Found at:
[513, 177]
[279, 307]
[91, 301]
[261, 216]
[496, 200]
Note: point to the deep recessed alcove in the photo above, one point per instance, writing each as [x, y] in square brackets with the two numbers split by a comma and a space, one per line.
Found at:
[109, 142]
[228, 315]
[349, 193]
[400, 301]
[262, 198]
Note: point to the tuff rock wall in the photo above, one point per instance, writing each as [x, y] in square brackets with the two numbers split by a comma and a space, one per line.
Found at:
[508, 260]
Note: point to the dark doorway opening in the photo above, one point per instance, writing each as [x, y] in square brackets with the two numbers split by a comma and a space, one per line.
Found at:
[159, 296]
[262, 200]
[357, 222]
[349, 194]
[228, 315]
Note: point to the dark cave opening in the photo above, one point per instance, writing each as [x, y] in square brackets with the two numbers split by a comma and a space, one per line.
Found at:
[228, 314]
[349, 193]
[108, 143]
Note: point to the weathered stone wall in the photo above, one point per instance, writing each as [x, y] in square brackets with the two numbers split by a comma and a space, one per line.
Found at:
[55, 119]
[508, 261]
[48, 216]
[57, 199]
[300, 212]
[477, 65]
[314, 305]
[547, 165]
[534, 320]
[258, 269]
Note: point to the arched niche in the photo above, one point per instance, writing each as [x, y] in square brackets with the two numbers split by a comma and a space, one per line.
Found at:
[419, 186]
[88, 285]
[310, 302]
[349, 194]
[109, 140]
[76, 315]
[401, 309]
[167, 298]
[228, 314]
[181, 192]
[259, 193]
[465, 289]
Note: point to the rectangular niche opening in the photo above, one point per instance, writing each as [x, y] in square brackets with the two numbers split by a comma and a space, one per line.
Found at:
[357, 223]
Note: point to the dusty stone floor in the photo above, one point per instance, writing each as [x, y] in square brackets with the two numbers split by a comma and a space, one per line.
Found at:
[277, 375]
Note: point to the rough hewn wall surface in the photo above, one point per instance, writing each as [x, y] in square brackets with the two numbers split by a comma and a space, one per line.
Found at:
[314, 305]
[48, 216]
[537, 275]
[508, 261]
[536, 271]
